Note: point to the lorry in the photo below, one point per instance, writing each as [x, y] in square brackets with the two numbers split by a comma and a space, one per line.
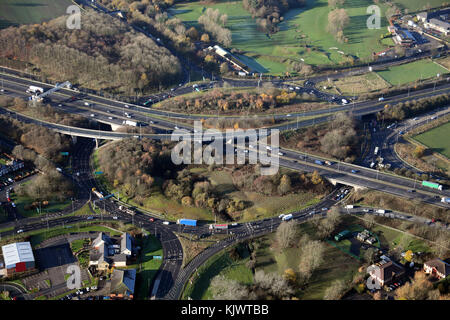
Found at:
[130, 123]
[98, 194]
[187, 222]
[431, 185]
[218, 226]
[59, 169]
[127, 210]
[34, 89]
[445, 200]
[372, 164]
[287, 217]
[344, 101]
[349, 206]
[381, 211]
[318, 162]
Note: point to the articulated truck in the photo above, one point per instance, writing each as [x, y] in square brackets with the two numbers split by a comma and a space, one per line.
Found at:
[129, 123]
[34, 89]
[218, 226]
[98, 194]
[431, 185]
[187, 222]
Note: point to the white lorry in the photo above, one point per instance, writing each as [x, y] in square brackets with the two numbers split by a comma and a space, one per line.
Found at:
[130, 123]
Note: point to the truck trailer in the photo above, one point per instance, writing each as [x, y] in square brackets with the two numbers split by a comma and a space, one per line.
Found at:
[130, 123]
[187, 222]
[431, 185]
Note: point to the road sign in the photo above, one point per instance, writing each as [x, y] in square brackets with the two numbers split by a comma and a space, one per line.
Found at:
[157, 257]
[65, 153]
[98, 172]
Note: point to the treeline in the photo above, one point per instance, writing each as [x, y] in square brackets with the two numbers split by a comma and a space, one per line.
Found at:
[105, 54]
[338, 138]
[214, 23]
[218, 99]
[269, 13]
[408, 109]
[45, 112]
[42, 141]
[142, 167]
[41, 147]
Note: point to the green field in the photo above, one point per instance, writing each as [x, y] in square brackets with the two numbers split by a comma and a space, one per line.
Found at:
[13, 12]
[417, 5]
[410, 72]
[301, 27]
[146, 267]
[437, 139]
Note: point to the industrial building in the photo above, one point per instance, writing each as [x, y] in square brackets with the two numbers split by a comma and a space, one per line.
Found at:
[18, 257]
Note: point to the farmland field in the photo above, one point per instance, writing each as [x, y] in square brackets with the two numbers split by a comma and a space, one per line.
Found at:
[437, 139]
[357, 84]
[423, 69]
[417, 5]
[301, 27]
[14, 12]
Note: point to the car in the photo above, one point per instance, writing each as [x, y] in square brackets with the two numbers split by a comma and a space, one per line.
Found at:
[13, 204]
[110, 118]
[411, 190]
[152, 219]
[9, 199]
[87, 104]
[434, 117]
[415, 119]
[381, 99]
[324, 209]
[115, 217]
[127, 106]
[281, 216]
[401, 132]
[94, 288]
[355, 171]
[20, 231]
[90, 217]
[92, 115]
[60, 105]
[176, 127]
[288, 115]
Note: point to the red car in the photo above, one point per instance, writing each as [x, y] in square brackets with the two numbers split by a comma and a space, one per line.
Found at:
[151, 219]
[9, 199]
[433, 220]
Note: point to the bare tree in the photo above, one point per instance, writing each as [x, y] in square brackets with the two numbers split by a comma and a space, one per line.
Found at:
[335, 291]
[311, 257]
[286, 234]
[226, 289]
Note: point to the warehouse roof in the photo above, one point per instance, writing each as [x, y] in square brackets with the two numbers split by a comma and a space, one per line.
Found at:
[17, 252]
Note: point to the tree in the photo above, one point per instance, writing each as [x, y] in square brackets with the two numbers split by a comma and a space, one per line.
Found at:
[418, 289]
[316, 178]
[370, 255]
[226, 289]
[285, 185]
[419, 151]
[286, 234]
[205, 38]
[338, 19]
[442, 245]
[335, 291]
[270, 286]
[290, 275]
[311, 258]
[369, 220]
[224, 68]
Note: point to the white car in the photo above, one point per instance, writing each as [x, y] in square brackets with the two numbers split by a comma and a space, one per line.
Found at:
[281, 216]
[110, 118]
[92, 115]
[127, 106]
[19, 231]
[381, 99]
[115, 217]
[324, 209]
[13, 204]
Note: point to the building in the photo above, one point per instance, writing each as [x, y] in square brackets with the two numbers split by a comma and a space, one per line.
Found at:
[386, 272]
[107, 252]
[235, 62]
[11, 166]
[18, 257]
[404, 37]
[437, 268]
[342, 235]
[438, 20]
[438, 25]
[123, 282]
